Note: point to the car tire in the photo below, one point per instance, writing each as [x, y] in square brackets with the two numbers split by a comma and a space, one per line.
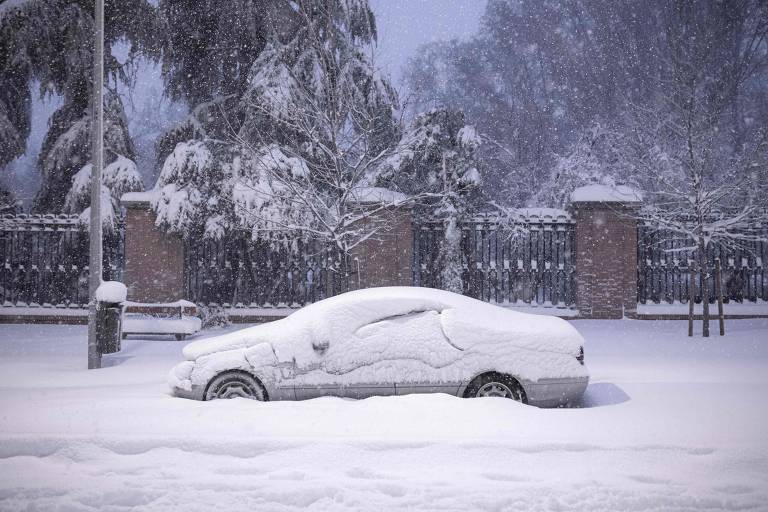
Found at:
[234, 385]
[495, 385]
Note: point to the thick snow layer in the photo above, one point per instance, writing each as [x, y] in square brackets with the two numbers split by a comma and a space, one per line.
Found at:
[606, 194]
[49, 310]
[519, 306]
[370, 337]
[349, 312]
[118, 178]
[181, 303]
[377, 195]
[472, 176]
[111, 291]
[134, 323]
[469, 138]
[139, 197]
[668, 423]
[730, 308]
[541, 213]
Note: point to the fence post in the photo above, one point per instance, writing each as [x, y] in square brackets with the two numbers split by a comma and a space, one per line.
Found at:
[387, 258]
[154, 260]
[606, 250]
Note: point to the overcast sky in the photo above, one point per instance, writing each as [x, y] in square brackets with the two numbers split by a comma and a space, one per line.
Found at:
[405, 24]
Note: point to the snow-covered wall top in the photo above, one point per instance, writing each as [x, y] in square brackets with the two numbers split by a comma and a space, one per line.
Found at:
[606, 194]
[521, 216]
[377, 195]
[543, 214]
[138, 197]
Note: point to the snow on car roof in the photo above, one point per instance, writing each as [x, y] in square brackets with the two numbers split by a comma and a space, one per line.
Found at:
[465, 321]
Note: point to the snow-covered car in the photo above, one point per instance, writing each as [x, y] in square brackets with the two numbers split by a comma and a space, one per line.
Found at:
[391, 341]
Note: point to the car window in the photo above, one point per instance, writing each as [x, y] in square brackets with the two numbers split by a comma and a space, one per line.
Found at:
[416, 335]
[389, 321]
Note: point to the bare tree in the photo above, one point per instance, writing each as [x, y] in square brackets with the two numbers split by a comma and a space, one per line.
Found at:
[701, 180]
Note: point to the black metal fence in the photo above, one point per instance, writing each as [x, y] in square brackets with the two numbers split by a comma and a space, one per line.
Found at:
[241, 273]
[45, 260]
[663, 268]
[529, 262]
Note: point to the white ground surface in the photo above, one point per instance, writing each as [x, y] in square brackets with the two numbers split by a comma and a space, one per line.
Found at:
[668, 423]
[732, 308]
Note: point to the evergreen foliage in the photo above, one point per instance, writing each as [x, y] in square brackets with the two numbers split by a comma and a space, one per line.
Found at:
[290, 154]
[50, 42]
[437, 159]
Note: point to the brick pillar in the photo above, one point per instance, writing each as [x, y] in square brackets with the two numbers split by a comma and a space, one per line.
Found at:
[606, 257]
[387, 258]
[154, 260]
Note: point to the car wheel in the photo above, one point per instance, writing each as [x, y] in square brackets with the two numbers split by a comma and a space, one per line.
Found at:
[234, 385]
[495, 385]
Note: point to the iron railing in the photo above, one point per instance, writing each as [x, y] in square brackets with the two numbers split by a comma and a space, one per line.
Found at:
[45, 260]
[664, 268]
[238, 272]
[530, 261]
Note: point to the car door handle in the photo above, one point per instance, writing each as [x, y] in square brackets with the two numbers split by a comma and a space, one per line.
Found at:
[287, 369]
[320, 346]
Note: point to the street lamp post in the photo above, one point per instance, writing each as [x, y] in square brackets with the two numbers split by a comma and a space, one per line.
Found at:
[97, 162]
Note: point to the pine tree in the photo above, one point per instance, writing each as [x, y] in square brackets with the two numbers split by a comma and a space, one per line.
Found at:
[702, 174]
[437, 159]
[8, 201]
[117, 178]
[292, 154]
[599, 157]
[207, 54]
[50, 42]
[67, 148]
[15, 101]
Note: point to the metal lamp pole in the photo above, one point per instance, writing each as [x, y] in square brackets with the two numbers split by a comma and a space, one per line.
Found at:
[97, 162]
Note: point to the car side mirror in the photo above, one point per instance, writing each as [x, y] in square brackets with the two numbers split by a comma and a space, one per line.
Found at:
[320, 346]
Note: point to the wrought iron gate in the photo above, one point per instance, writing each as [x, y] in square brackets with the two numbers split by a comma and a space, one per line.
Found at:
[239, 272]
[663, 268]
[530, 262]
[45, 260]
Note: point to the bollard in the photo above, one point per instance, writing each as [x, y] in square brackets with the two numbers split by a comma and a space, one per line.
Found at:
[109, 326]
[109, 314]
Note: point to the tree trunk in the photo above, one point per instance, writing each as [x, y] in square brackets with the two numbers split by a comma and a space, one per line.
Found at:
[691, 296]
[451, 256]
[704, 269]
[719, 295]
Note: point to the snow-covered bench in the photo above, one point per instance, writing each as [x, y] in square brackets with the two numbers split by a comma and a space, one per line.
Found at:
[177, 318]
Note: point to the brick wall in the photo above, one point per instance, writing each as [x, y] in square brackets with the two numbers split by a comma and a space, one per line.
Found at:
[386, 259]
[154, 261]
[606, 259]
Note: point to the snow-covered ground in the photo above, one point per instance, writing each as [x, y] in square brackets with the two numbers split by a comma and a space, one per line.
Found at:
[668, 423]
[731, 308]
